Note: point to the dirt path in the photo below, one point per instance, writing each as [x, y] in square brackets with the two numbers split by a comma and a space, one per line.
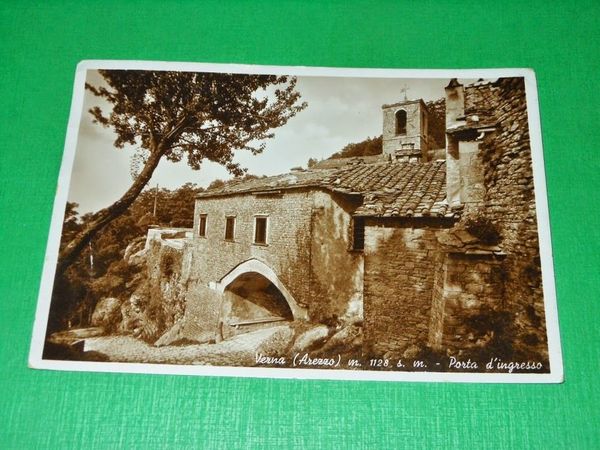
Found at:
[239, 350]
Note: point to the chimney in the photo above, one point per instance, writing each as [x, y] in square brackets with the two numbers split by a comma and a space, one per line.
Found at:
[455, 104]
[455, 111]
[464, 173]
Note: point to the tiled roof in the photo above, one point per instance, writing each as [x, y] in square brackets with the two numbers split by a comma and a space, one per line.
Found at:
[401, 189]
[470, 127]
[296, 179]
[390, 189]
[338, 163]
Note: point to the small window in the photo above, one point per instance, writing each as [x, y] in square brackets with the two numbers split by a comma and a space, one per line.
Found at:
[400, 121]
[202, 225]
[260, 230]
[229, 228]
[358, 233]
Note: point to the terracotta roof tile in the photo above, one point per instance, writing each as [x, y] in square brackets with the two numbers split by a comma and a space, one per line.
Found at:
[413, 190]
[390, 189]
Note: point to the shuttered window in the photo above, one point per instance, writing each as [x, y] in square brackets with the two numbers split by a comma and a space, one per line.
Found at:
[260, 230]
[358, 233]
[202, 225]
[229, 228]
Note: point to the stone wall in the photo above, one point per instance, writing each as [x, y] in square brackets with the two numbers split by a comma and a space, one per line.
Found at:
[438, 306]
[308, 248]
[400, 265]
[200, 322]
[466, 287]
[287, 250]
[480, 99]
[160, 295]
[510, 203]
[336, 271]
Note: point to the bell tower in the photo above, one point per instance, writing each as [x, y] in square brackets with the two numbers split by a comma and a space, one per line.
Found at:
[406, 131]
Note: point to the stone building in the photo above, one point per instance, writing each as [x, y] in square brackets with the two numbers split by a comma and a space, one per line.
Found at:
[430, 245]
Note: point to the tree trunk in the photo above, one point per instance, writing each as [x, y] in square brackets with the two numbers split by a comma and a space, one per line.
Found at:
[107, 215]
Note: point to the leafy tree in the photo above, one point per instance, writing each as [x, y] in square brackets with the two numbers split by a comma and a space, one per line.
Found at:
[71, 288]
[312, 162]
[177, 115]
[179, 206]
[368, 147]
[216, 184]
[71, 223]
[173, 208]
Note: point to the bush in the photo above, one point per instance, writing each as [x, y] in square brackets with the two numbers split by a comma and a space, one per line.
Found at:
[167, 264]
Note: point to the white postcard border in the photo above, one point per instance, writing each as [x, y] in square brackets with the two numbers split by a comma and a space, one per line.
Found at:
[551, 315]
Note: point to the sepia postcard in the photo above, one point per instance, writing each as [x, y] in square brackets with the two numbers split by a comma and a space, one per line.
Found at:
[294, 222]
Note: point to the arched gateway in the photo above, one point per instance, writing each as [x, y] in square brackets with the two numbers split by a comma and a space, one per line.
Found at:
[255, 280]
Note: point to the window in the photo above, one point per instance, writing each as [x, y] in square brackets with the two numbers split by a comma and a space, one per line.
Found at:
[229, 228]
[358, 233]
[202, 225]
[400, 121]
[260, 230]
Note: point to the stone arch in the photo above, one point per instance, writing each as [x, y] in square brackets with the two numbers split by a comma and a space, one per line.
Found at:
[259, 267]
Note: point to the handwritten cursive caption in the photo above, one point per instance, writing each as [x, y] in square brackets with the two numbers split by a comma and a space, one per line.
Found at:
[451, 364]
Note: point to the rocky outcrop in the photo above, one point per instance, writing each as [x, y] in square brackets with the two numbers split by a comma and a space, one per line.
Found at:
[347, 340]
[310, 338]
[279, 339]
[107, 314]
[159, 299]
[135, 250]
[181, 332]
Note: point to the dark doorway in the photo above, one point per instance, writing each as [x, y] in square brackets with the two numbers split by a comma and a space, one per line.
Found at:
[254, 302]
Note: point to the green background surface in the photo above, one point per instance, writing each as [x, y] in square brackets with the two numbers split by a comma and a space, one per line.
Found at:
[42, 42]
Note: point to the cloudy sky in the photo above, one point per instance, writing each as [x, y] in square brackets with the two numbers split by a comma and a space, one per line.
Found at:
[340, 111]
